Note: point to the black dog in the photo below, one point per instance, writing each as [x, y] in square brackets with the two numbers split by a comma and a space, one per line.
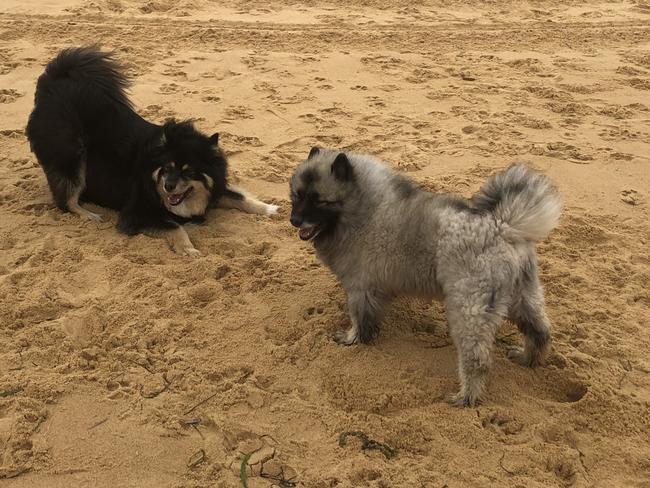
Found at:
[94, 147]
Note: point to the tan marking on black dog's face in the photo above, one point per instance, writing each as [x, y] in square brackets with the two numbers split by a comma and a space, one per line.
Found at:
[209, 181]
[155, 174]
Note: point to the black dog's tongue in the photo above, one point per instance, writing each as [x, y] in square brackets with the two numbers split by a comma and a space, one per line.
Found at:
[306, 233]
[175, 198]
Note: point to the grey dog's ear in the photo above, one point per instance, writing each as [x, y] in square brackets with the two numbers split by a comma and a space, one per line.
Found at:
[341, 168]
[314, 151]
[214, 139]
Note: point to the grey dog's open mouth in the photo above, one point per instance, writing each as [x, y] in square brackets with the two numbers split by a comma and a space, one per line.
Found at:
[308, 232]
[176, 198]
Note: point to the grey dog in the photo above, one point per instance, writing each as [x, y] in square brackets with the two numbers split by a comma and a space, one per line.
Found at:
[383, 237]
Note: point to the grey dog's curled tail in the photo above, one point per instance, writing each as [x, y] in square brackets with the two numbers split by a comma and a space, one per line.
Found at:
[523, 199]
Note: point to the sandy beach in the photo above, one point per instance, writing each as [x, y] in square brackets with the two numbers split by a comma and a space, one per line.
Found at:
[123, 364]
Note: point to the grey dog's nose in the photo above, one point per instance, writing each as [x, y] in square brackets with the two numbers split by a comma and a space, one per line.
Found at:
[170, 185]
[295, 220]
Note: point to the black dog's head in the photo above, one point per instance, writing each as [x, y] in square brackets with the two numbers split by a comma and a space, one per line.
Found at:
[319, 187]
[189, 169]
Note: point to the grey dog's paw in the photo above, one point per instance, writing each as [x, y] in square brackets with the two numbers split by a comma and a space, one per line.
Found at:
[518, 355]
[346, 337]
[462, 400]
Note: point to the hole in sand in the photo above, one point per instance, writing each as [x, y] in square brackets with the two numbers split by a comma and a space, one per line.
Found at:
[552, 385]
[574, 392]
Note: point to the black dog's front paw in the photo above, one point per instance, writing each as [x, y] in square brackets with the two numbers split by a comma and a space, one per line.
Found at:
[347, 337]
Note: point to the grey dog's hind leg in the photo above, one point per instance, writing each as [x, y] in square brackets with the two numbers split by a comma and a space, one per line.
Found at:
[366, 309]
[473, 322]
[528, 313]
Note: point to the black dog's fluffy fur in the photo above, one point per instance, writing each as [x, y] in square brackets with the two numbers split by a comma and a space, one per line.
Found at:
[94, 147]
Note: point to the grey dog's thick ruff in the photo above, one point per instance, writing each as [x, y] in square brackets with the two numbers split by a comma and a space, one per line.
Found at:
[383, 236]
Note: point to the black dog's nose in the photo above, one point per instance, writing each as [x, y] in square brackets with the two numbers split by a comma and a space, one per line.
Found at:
[295, 220]
[169, 186]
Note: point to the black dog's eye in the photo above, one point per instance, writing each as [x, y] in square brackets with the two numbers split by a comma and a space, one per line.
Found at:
[297, 195]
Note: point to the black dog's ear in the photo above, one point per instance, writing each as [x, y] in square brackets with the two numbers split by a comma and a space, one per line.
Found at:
[314, 151]
[341, 168]
[214, 139]
[168, 126]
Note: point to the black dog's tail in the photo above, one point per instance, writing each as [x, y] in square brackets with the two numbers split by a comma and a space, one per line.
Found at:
[90, 65]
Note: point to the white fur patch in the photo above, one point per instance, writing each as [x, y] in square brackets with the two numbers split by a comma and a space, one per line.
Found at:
[271, 209]
[249, 204]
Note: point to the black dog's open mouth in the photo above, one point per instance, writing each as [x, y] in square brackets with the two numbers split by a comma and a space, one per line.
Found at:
[308, 232]
[176, 198]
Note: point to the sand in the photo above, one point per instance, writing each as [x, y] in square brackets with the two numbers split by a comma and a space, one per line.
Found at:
[125, 365]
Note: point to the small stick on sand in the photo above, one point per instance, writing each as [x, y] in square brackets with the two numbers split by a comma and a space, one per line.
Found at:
[97, 424]
[196, 459]
[503, 467]
[201, 403]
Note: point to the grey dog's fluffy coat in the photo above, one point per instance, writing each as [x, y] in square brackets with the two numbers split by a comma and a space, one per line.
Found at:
[383, 236]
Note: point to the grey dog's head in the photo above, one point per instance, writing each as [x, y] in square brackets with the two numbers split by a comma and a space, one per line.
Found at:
[319, 187]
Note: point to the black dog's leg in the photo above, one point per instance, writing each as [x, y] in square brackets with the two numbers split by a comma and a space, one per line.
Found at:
[237, 198]
[134, 220]
[178, 240]
[64, 162]
[75, 189]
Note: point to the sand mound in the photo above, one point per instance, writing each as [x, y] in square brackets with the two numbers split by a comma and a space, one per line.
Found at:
[123, 364]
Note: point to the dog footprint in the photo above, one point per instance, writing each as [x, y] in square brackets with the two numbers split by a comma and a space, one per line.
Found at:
[563, 470]
[631, 197]
[168, 88]
[9, 95]
[238, 112]
[376, 102]
[175, 73]
[502, 423]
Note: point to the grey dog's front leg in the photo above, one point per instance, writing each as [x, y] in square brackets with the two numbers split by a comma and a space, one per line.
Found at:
[366, 309]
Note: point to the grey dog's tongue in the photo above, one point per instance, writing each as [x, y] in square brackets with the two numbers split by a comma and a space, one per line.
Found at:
[306, 232]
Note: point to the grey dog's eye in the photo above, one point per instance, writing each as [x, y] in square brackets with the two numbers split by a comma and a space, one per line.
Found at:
[326, 203]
